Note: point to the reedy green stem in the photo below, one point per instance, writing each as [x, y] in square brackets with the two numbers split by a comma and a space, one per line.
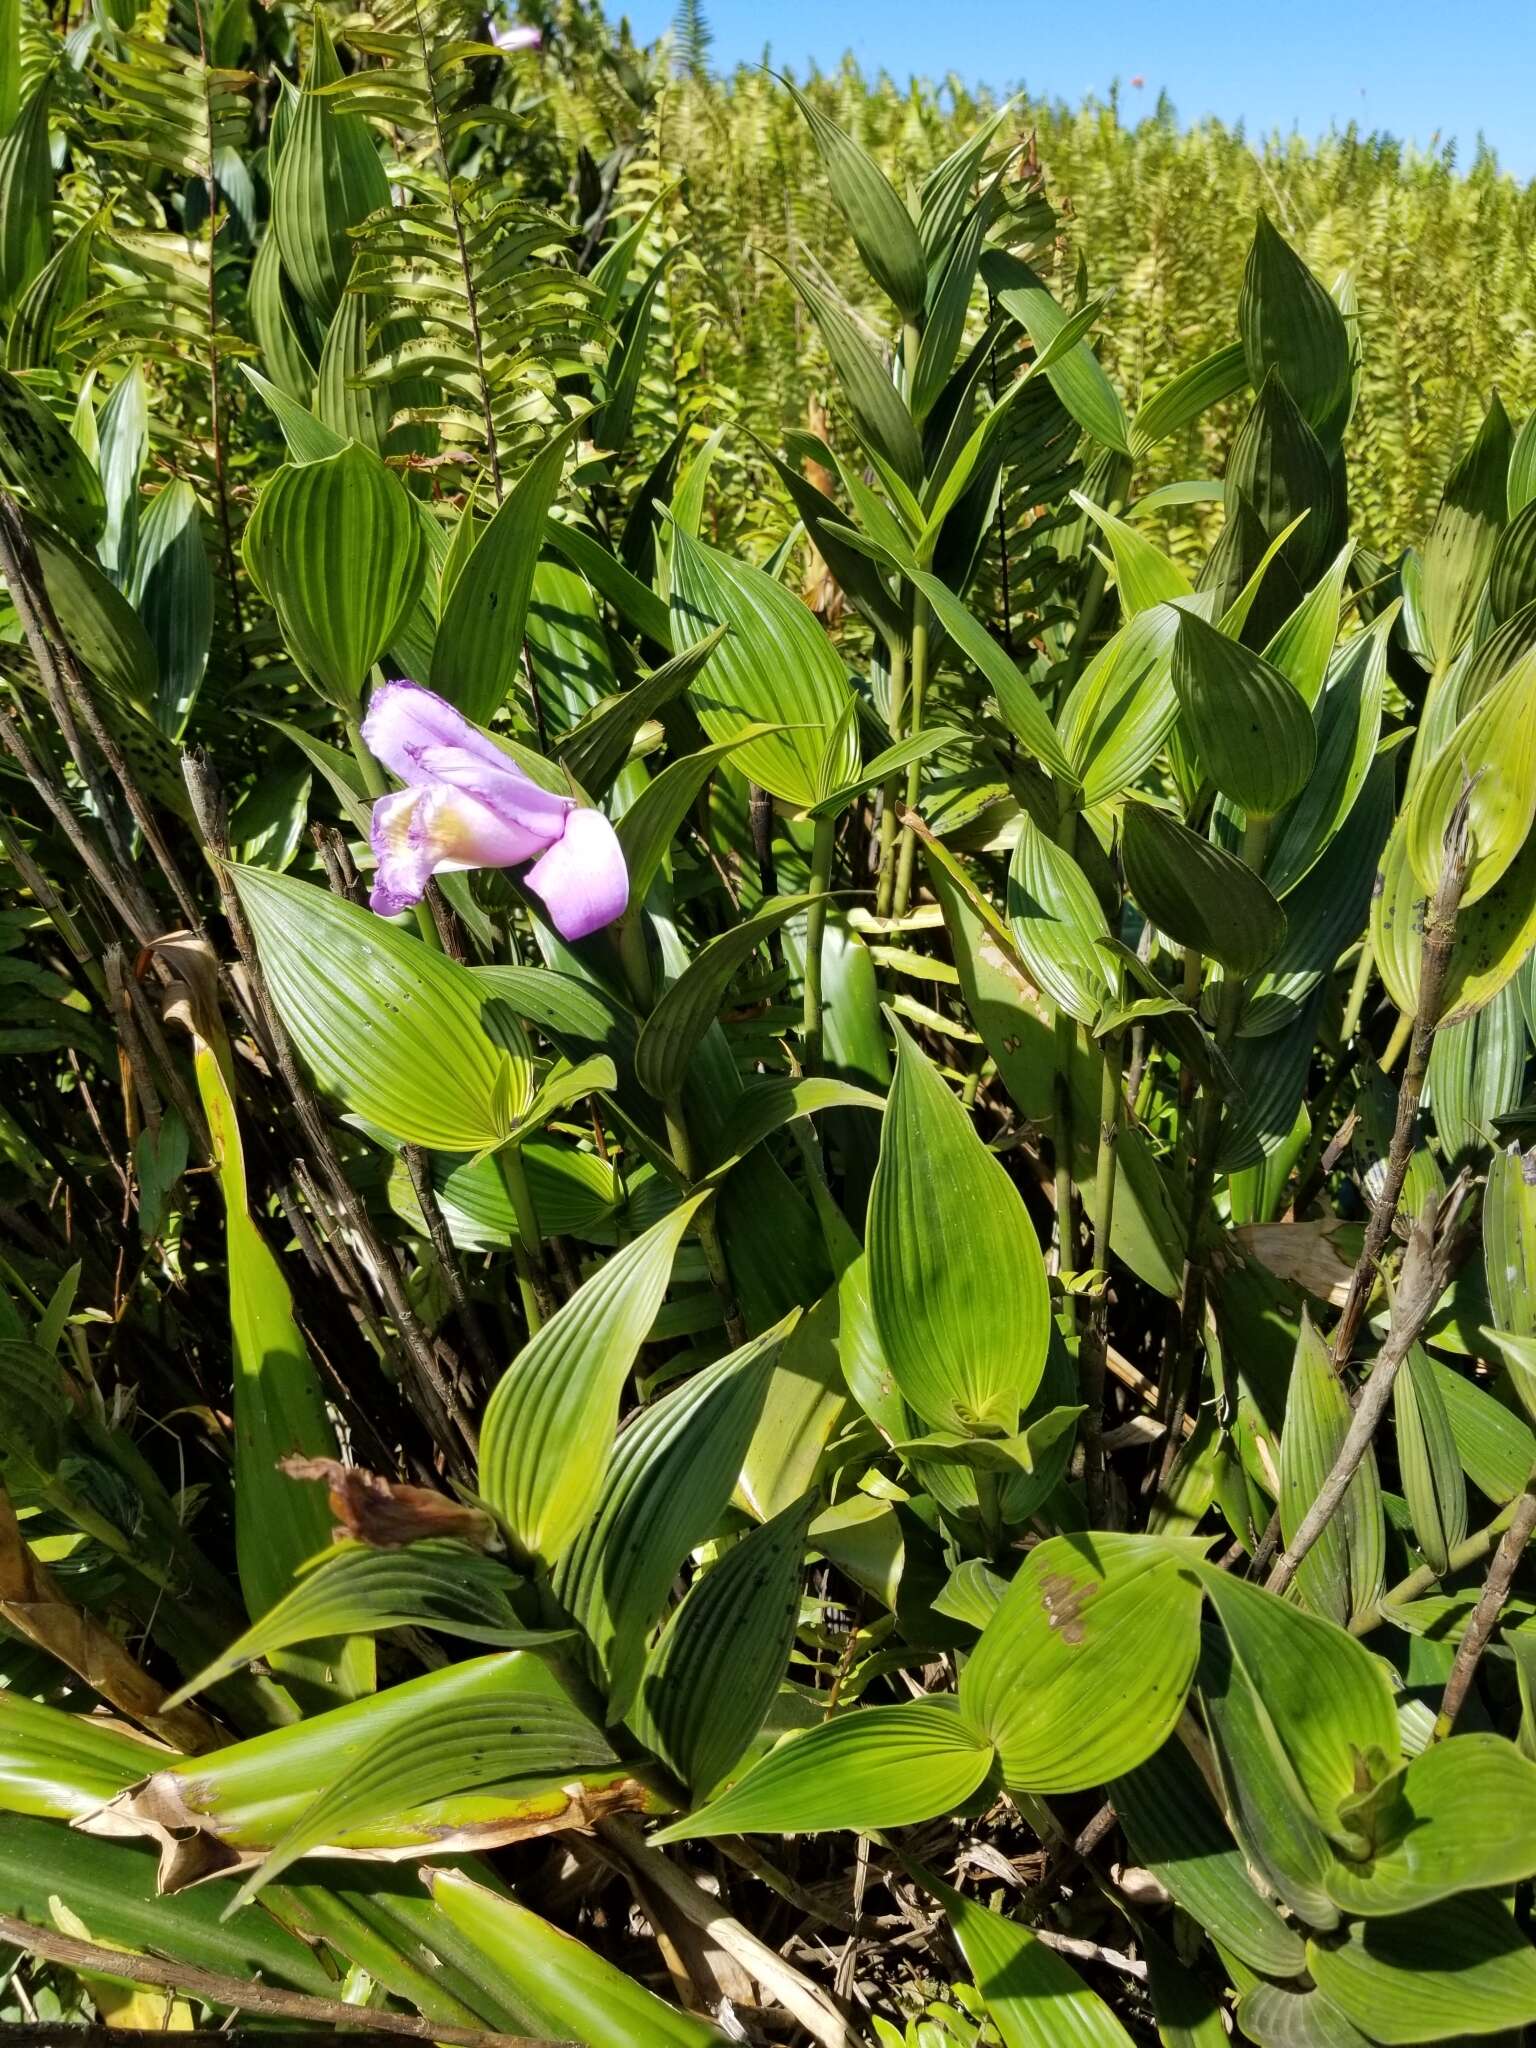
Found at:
[815, 926]
[886, 887]
[528, 1246]
[919, 684]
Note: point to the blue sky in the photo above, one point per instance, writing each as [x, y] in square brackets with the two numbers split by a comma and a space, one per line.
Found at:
[1416, 69]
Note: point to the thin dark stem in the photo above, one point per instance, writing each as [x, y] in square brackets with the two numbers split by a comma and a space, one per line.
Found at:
[438, 1398]
[243, 1994]
[1435, 961]
[125, 899]
[420, 1169]
[1485, 1614]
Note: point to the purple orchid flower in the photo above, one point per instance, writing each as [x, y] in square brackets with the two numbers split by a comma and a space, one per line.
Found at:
[466, 804]
[516, 37]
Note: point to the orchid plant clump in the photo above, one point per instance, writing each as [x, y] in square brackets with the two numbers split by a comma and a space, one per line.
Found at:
[918, 1268]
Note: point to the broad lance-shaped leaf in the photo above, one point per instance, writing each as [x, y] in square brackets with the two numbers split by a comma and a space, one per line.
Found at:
[598, 747]
[460, 1747]
[1509, 1239]
[26, 187]
[1144, 575]
[1430, 1469]
[1464, 538]
[1491, 759]
[1123, 707]
[956, 1274]
[669, 1477]
[334, 547]
[405, 1037]
[111, 1892]
[1290, 324]
[711, 1678]
[674, 1029]
[1176, 1831]
[775, 667]
[40, 457]
[876, 1767]
[353, 1589]
[1250, 726]
[327, 179]
[879, 222]
[1022, 709]
[1083, 1670]
[878, 411]
[246, 1797]
[1198, 894]
[101, 625]
[1459, 1968]
[1057, 923]
[1328, 1699]
[1077, 378]
[1341, 1575]
[1493, 935]
[173, 591]
[1036, 2000]
[565, 1989]
[477, 655]
[549, 1425]
[1461, 1818]
[279, 1406]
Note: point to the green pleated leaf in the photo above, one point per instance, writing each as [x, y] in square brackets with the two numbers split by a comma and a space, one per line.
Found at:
[57, 291]
[597, 748]
[1509, 1239]
[949, 304]
[1176, 1831]
[669, 1476]
[1021, 707]
[351, 1589]
[1266, 1805]
[1493, 935]
[1348, 719]
[1302, 645]
[1328, 1699]
[1035, 1998]
[1077, 378]
[1464, 538]
[674, 1029]
[328, 178]
[1428, 1463]
[878, 411]
[1462, 1818]
[1275, 2016]
[634, 601]
[458, 1746]
[26, 195]
[403, 1036]
[1341, 1575]
[351, 411]
[1190, 2013]
[1057, 923]
[1082, 1672]
[1251, 728]
[477, 655]
[711, 1678]
[1493, 750]
[1512, 575]
[883, 230]
[1462, 1967]
[647, 828]
[1185, 397]
[877, 1767]
[173, 592]
[1123, 706]
[99, 622]
[956, 1275]
[1196, 893]
[1279, 470]
[335, 549]
[1496, 1447]
[111, 1888]
[626, 363]
[273, 308]
[766, 1105]
[279, 1405]
[575, 1194]
[1144, 575]
[549, 1426]
[1291, 325]
[775, 667]
[42, 458]
[567, 1989]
